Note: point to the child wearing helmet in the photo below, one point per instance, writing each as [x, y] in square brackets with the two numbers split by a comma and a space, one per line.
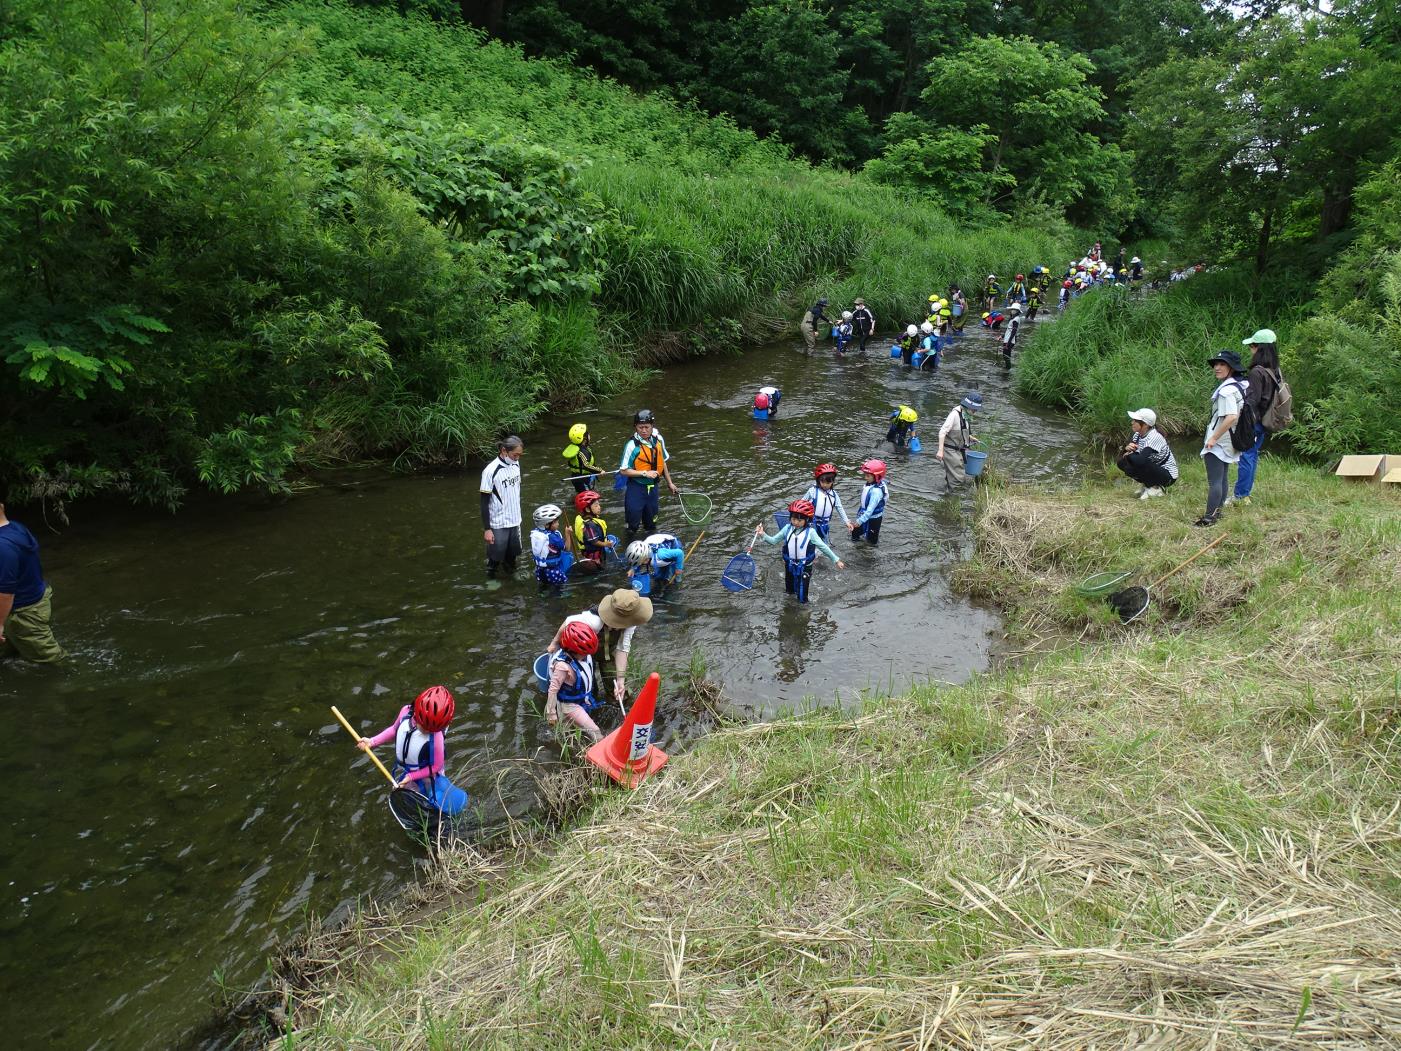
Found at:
[549, 547]
[614, 620]
[591, 537]
[875, 497]
[908, 344]
[993, 319]
[1064, 299]
[578, 457]
[801, 543]
[928, 347]
[825, 499]
[1016, 291]
[955, 436]
[419, 750]
[1033, 303]
[991, 290]
[902, 425]
[842, 330]
[655, 562]
[766, 403]
[571, 690]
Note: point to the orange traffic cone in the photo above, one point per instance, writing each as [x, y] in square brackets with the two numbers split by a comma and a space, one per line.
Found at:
[627, 755]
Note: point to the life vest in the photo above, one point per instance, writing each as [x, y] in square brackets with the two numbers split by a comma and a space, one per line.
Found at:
[878, 507]
[578, 457]
[580, 691]
[824, 502]
[648, 458]
[799, 548]
[541, 549]
[413, 750]
[595, 529]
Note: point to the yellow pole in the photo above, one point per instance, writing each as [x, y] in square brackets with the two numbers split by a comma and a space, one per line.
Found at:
[693, 547]
[373, 758]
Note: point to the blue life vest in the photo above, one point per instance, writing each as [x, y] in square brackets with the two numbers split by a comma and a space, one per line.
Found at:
[798, 548]
[580, 691]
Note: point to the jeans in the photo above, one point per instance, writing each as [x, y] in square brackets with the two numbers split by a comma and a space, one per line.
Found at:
[1218, 472]
[1249, 460]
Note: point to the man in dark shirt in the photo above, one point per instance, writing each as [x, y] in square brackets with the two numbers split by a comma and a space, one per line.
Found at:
[26, 601]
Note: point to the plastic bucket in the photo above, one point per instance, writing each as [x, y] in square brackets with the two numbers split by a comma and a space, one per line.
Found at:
[973, 463]
[541, 669]
[761, 414]
[895, 351]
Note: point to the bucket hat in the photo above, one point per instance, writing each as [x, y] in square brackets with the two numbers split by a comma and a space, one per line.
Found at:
[1226, 357]
[625, 608]
[972, 400]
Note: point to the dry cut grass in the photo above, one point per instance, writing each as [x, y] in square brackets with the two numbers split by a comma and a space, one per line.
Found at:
[1179, 834]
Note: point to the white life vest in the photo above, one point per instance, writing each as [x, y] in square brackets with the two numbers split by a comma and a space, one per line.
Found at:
[413, 749]
[799, 547]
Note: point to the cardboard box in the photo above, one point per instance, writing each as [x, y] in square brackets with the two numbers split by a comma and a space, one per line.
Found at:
[1362, 468]
[1393, 476]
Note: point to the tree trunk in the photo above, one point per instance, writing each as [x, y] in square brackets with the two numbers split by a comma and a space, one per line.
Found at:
[484, 14]
[1262, 247]
[1336, 210]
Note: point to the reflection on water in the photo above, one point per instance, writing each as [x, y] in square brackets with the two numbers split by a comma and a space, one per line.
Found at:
[180, 795]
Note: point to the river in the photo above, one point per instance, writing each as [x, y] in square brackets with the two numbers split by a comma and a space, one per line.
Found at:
[180, 796]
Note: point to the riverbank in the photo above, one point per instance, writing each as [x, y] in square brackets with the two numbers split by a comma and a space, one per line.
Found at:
[1182, 830]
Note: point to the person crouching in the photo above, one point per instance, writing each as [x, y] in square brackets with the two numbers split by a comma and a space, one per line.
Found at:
[571, 690]
[1147, 459]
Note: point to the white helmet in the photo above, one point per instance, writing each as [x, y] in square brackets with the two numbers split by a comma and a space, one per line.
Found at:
[927, 327]
[545, 514]
[638, 553]
[911, 331]
[846, 315]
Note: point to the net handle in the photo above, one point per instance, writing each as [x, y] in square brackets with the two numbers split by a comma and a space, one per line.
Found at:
[1184, 565]
[373, 758]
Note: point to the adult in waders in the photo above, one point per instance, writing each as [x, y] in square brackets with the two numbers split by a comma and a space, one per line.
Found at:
[955, 436]
[26, 600]
[644, 463]
[501, 506]
[1010, 334]
[614, 620]
[958, 308]
[811, 319]
[1261, 388]
[863, 323]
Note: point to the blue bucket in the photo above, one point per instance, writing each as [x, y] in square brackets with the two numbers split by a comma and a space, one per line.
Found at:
[973, 463]
[895, 351]
[915, 446]
[542, 672]
[918, 359]
[761, 414]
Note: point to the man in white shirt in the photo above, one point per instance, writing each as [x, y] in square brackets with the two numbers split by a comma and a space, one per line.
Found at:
[501, 506]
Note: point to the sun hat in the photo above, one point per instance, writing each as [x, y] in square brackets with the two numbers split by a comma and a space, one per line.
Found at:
[1226, 357]
[625, 608]
[1147, 416]
[1265, 335]
[972, 400]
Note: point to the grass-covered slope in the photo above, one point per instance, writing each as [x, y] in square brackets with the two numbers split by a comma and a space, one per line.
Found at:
[1183, 834]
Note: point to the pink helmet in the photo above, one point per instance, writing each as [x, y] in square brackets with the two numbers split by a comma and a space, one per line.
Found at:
[761, 400]
[874, 467]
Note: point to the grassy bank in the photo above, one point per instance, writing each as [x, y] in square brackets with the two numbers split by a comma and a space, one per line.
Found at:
[1180, 833]
[241, 244]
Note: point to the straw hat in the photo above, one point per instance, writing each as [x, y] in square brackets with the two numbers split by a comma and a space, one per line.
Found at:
[625, 608]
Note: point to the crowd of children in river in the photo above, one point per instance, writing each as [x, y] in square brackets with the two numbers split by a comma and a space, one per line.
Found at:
[593, 644]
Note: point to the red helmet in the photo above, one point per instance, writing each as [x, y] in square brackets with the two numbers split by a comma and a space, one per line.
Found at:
[1021, 277]
[433, 708]
[582, 501]
[824, 468]
[1065, 284]
[875, 467]
[802, 507]
[761, 400]
[578, 637]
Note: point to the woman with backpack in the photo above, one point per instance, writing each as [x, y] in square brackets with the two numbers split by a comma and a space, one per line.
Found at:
[1218, 451]
[1261, 392]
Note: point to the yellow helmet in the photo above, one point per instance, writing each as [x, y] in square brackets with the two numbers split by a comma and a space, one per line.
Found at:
[934, 298]
[578, 433]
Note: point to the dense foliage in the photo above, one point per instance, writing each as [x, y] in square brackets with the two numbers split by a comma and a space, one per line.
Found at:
[233, 245]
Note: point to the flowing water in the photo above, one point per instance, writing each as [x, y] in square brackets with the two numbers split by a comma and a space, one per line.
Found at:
[180, 798]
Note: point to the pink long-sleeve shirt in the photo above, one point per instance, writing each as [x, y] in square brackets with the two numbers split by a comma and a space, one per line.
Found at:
[391, 731]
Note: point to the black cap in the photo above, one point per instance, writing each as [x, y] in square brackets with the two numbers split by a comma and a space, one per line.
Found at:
[1226, 357]
[644, 416]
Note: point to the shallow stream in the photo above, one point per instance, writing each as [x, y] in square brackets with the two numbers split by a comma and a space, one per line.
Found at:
[180, 797]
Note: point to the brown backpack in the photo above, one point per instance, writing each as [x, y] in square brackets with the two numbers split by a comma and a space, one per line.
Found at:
[1280, 414]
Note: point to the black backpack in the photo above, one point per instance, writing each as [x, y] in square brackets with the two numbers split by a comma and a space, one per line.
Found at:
[1243, 433]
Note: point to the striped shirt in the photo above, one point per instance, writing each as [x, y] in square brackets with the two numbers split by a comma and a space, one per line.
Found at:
[501, 479]
[1153, 443]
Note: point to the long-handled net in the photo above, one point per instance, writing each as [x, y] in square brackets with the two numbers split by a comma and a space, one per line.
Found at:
[739, 571]
[695, 507]
[1130, 603]
[418, 816]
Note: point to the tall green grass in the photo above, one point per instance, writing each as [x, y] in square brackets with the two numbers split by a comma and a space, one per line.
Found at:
[1113, 350]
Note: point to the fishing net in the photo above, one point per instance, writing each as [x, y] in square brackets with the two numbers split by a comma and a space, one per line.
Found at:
[418, 816]
[1129, 603]
[1101, 583]
[780, 518]
[695, 507]
[739, 574]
